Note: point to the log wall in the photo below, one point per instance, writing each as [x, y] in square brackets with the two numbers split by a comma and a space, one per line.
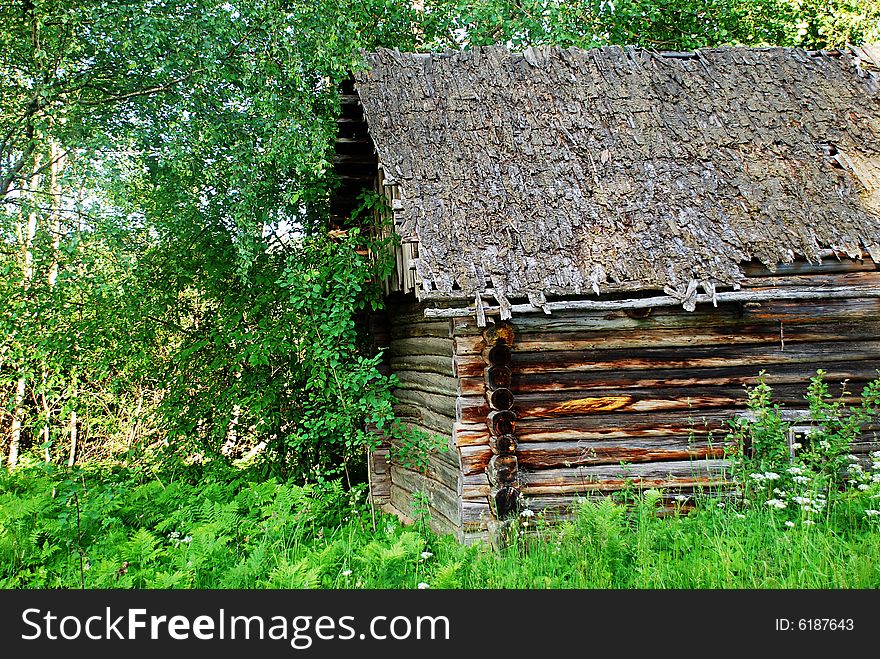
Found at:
[419, 353]
[604, 399]
[588, 402]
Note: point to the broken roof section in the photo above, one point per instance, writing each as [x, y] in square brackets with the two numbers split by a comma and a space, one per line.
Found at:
[559, 172]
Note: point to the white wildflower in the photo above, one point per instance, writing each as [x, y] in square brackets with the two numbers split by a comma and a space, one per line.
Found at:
[795, 471]
[757, 477]
[426, 555]
[346, 573]
[863, 487]
[872, 513]
[796, 445]
[852, 458]
[740, 516]
[527, 513]
[778, 492]
[721, 504]
[789, 524]
[824, 444]
[771, 475]
[681, 497]
[802, 501]
[801, 479]
[423, 585]
[875, 478]
[776, 503]
[187, 539]
[808, 522]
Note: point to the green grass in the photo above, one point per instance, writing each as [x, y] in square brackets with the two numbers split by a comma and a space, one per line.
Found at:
[112, 528]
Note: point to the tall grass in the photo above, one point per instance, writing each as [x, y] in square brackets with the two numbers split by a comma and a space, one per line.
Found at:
[124, 529]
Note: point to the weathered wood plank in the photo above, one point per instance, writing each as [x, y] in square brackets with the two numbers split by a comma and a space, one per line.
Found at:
[745, 334]
[757, 294]
[475, 487]
[420, 346]
[562, 404]
[544, 455]
[437, 403]
[756, 356]
[470, 434]
[440, 364]
[402, 499]
[609, 477]
[787, 373]
[439, 497]
[474, 459]
[436, 328]
[427, 382]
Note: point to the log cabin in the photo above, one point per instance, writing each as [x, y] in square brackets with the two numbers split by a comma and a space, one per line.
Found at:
[600, 249]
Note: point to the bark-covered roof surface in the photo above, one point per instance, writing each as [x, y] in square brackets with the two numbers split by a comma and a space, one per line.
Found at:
[559, 171]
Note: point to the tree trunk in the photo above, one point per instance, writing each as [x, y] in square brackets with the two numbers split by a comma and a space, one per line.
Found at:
[15, 441]
[30, 230]
[73, 438]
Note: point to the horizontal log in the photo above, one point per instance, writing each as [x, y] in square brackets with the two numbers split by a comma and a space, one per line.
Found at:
[711, 356]
[475, 487]
[794, 373]
[757, 294]
[437, 329]
[439, 497]
[609, 477]
[427, 382]
[471, 386]
[426, 345]
[474, 459]
[746, 334]
[438, 403]
[726, 314]
[619, 426]
[442, 365]
[603, 401]
[865, 275]
[475, 515]
[470, 434]
[402, 499]
[430, 421]
[545, 455]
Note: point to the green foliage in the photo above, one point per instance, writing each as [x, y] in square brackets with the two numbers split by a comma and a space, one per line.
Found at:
[801, 478]
[139, 528]
[199, 303]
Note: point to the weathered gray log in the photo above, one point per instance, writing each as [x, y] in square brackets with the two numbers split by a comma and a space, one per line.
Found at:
[553, 382]
[544, 455]
[440, 404]
[437, 329]
[440, 497]
[750, 295]
[402, 499]
[439, 364]
[420, 346]
[427, 382]
[708, 356]
[475, 487]
[610, 477]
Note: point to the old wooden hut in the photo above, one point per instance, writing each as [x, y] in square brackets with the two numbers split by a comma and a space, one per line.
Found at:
[601, 248]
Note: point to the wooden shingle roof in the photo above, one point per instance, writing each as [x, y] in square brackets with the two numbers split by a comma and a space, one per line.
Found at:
[561, 172]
